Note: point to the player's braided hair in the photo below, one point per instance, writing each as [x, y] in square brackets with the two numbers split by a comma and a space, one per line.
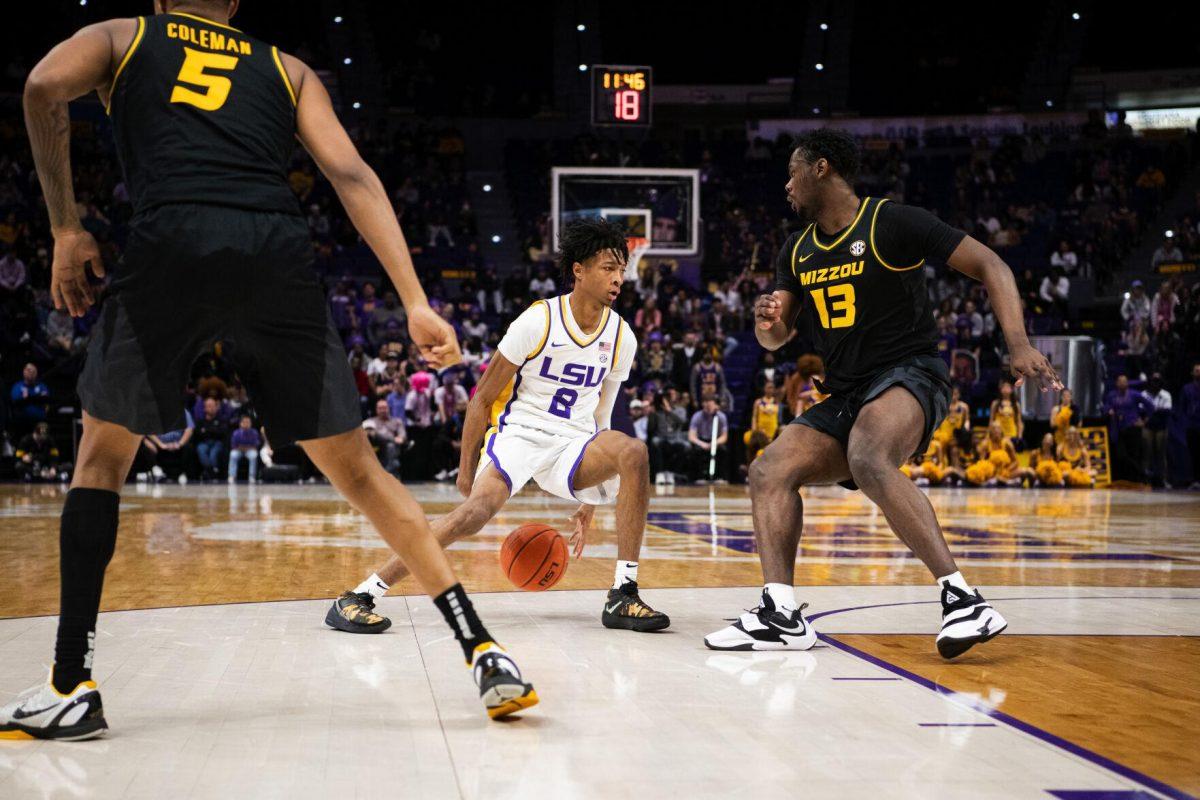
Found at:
[583, 238]
[835, 146]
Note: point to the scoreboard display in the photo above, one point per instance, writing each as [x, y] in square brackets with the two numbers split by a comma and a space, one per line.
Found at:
[621, 96]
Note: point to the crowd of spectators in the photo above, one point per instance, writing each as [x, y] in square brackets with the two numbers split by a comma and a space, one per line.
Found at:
[1059, 212]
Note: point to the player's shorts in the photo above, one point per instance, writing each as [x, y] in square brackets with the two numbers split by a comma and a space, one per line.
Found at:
[926, 377]
[550, 459]
[192, 275]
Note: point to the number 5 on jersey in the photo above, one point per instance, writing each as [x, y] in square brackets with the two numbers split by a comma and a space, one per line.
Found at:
[216, 87]
[841, 305]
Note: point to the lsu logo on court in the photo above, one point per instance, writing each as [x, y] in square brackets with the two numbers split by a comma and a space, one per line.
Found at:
[831, 273]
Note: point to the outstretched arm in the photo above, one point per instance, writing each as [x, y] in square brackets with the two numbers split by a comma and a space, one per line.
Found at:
[367, 203]
[72, 69]
[499, 372]
[978, 261]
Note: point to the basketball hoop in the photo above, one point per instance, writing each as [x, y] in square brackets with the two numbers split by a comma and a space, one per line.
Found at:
[638, 245]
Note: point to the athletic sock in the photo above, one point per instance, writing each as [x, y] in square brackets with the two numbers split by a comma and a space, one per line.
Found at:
[373, 586]
[782, 595]
[956, 580]
[460, 615]
[86, 540]
[626, 573]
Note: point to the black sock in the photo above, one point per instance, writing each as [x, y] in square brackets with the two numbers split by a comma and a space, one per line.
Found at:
[460, 615]
[86, 539]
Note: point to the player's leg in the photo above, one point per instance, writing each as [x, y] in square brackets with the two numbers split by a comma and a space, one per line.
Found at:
[610, 454]
[348, 462]
[801, 456]
[69, 707]
[888, 430]
[354, 610]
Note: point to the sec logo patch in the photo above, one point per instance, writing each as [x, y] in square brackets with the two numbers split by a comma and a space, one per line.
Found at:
[858, 247]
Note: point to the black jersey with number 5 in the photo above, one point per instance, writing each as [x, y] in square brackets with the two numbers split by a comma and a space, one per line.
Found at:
[203, 113]
[862, 294]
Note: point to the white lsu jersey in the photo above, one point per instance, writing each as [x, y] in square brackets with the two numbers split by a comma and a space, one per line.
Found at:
[561, 371]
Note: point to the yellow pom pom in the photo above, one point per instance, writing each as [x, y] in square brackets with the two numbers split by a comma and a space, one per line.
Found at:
[1000, 458]
[981, 472]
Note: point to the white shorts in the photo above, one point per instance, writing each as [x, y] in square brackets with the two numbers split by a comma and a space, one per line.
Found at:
[550, 459]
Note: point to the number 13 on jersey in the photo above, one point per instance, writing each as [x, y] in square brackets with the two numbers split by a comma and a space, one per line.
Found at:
[216, 87]
[839, 311]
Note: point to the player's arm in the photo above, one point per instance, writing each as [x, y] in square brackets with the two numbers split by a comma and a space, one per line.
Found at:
[369, 208]
[73, 68]
[976, 260]
[775, 318]
[499, 372]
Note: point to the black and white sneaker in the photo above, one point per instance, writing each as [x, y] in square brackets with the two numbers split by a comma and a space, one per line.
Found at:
[765, 628]
[501, 687]
[967, 620]
[43, 713]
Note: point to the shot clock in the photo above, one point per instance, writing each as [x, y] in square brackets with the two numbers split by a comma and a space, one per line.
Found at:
[621, 95]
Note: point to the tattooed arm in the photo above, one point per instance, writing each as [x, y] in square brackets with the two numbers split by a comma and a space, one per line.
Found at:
[72, 69]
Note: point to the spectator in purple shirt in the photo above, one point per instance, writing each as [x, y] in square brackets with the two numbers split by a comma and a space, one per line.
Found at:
[244, 443]
[12, 273]
[1189, 410]
[1127, 409]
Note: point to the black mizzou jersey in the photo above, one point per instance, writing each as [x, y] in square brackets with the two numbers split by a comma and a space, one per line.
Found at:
[862, 294]
[203, 113]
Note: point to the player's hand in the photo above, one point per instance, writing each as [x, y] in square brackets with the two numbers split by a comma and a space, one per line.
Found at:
[465, 480]
[1027, 362]
[768, 310]
[581, 521]
[434, 337]
[74, 252]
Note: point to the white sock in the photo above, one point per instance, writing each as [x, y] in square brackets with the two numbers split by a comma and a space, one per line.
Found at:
[957, 581]
[373, 586]
[782, 595]
[626, 572]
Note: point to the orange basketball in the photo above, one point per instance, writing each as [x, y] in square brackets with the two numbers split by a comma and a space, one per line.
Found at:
[534, 557]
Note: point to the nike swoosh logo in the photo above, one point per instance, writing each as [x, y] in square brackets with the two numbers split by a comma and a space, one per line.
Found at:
[559, 344]
[21, 713]
[613, 607]
[802, 259]
[796, 631]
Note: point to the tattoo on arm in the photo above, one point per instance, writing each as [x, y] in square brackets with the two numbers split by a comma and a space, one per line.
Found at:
[49, 127]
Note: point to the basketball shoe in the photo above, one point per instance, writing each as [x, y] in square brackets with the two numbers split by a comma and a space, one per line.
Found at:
[43, 713]
[499, 680]
[765, 628]
[967, 620]
[625, 609]
[355, 613]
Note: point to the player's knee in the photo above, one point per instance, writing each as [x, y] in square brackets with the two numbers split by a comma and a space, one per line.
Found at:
[634, 458]
[868, 468]
[766, 473]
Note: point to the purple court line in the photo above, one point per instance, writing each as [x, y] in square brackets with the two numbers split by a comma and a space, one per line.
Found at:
[999, 716]
[866, 679]
[956, 724]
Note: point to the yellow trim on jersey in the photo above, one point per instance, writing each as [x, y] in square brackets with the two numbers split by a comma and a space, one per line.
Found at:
[562, 299]
[796, 248]
[203, 19]
[617, 344]
[878, 257]
[286, 80]
[545, 335]
[137, 40]
[861, 210]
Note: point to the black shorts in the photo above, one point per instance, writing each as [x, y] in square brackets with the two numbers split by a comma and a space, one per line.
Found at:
[926, 377]
[195, 274]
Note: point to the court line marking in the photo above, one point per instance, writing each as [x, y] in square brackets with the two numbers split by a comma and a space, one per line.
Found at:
[1027, 728]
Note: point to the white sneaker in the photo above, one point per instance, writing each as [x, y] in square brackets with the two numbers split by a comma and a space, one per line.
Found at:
[660, 479]
[501, 686]
[182, 479]
[43, 713]
[670, 478]
[157, 473]
[142, 477]
[967, 620]
[765, 628]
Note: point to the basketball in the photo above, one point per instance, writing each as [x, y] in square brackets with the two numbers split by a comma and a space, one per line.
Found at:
[534, 557]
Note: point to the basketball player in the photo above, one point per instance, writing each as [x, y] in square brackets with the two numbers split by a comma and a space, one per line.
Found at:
[853, 277]
[205, 118]
[542, 411]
